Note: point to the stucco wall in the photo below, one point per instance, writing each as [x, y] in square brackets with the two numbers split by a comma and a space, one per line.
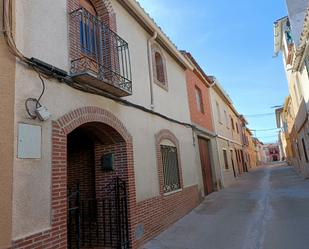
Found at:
[224, 127]
[227, 174]
[42, 32]
[7, 75]
[236, 136]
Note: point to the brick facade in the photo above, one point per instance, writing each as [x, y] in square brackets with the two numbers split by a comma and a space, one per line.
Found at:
[203, 119]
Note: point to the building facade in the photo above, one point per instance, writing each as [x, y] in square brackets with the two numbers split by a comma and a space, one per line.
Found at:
[291, 33]
[89, 98]
[198, 84]
[227, 127]
[109, 129]
[272, 152]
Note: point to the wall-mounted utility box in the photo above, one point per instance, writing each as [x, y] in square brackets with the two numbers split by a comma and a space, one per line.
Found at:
[29, 141]
[108, 162]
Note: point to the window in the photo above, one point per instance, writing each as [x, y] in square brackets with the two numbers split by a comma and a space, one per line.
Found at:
[88, 30]
[218, 112]
[298, 151]
[307, 64]
[170, 168]
[305, 150]
[232, 123]
[159, 67]
[226, 120]
[237, 129]
[199, 100]
[232, 159]
[298, 86]
[226, 163]
[296, 94]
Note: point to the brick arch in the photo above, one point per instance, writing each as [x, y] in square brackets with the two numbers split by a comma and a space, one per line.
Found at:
[61, 128]
[106, 13]
[90, 114]
[104, 9]
[159, 137]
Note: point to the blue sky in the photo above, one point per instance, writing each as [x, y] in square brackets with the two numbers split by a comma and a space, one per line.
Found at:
[232, 40]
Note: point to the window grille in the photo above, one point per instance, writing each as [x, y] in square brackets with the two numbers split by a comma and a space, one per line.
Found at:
[170, 168]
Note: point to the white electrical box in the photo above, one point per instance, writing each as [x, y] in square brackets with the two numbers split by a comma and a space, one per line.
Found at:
[29, 141]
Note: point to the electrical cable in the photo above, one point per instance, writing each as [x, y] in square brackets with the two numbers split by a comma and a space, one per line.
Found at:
[33, 116]
[259, 115]
[43, 88]
[272, 129]
[13, 49]
[36, 100]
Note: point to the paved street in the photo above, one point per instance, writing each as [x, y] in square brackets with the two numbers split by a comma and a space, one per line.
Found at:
[267, 208]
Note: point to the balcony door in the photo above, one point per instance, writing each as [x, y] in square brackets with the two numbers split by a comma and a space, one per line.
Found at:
[89, 30]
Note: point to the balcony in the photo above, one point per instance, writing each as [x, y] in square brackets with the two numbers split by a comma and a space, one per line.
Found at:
[99, 57]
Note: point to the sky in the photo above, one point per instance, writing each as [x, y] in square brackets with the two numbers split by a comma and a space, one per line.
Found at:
[232, 40]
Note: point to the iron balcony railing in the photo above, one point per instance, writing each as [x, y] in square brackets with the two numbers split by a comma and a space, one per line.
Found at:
[98, 51]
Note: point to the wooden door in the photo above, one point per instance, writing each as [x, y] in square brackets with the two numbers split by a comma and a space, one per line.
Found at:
[206, 165]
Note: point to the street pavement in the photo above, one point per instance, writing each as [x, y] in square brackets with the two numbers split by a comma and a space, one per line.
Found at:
[267, 208]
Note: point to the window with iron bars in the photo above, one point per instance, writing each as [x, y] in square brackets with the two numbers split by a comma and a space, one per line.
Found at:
[170, 168]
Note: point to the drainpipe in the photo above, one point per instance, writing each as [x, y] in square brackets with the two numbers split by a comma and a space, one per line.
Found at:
[149, 42]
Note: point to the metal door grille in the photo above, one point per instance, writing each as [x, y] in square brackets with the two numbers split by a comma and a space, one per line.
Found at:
[100, 222]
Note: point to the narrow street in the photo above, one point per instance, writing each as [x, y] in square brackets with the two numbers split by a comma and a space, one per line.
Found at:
[267, 208]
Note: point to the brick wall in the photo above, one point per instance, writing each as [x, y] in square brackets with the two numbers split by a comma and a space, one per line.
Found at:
[157, 214]
[202, 119]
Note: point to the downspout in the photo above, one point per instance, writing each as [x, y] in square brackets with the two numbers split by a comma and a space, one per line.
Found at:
[149, 42]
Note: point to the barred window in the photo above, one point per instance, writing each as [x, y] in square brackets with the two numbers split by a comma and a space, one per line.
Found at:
[170, 168]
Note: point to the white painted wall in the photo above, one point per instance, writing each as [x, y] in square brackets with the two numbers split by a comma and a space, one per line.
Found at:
[41, 31]
[297, 11]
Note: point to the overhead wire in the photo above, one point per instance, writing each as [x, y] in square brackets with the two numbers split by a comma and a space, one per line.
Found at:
[259, 115]
[9, 38]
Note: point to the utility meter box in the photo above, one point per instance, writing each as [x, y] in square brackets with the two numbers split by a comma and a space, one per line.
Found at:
[108, 162]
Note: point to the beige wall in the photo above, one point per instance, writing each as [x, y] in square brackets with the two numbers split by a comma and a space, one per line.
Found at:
[7, 69]
[227, 138]
[42, 32]
[227, 174]
[298, 84]
[224, 128]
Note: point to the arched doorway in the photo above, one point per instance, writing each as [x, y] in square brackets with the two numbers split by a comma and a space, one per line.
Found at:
[93, 178]
[275, 158]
